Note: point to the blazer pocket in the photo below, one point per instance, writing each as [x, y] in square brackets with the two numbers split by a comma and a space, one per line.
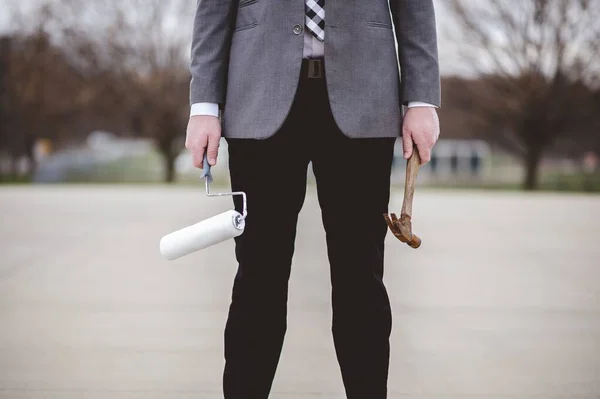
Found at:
[382, 25]
[244, 3]
[246, 26]
[246, 16]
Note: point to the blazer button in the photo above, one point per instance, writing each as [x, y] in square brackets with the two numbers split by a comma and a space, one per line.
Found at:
[297, 29]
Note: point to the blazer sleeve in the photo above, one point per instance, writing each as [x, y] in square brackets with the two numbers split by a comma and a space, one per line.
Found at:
[211, 41]
[415, 26]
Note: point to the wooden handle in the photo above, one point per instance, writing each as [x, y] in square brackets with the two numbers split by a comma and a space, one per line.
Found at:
[412, 169]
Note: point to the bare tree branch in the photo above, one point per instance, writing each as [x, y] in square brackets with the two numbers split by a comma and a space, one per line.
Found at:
[541, 69]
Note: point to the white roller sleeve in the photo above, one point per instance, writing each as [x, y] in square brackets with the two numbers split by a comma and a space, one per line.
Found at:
[200, 235]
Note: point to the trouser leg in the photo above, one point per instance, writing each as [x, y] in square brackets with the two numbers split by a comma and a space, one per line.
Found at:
[353, 183]
[272, 172]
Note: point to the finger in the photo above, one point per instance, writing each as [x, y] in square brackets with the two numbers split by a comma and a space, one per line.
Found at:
[213, 149]
[424, 153]
[198, 158]
[198, 152]
[407, 144]
[436, 121]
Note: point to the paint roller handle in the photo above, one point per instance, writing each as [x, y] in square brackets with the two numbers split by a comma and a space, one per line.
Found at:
[206, 170]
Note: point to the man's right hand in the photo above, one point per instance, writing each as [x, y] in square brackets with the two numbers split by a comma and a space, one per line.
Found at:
[203, 131]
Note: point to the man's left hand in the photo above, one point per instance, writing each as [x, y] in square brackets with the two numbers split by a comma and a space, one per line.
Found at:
[421, 127]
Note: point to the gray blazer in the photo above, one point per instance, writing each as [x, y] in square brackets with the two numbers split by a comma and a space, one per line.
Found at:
[246, 56]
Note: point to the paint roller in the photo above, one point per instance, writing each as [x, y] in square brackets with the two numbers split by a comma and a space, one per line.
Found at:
[208, 232]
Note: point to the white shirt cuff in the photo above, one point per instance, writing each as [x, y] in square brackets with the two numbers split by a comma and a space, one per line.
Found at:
[209, 109]
[412, 104]
[212, 109]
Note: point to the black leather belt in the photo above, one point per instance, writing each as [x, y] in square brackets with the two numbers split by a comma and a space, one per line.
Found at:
[313, 68]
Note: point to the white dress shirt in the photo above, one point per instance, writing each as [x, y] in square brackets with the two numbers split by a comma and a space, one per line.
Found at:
[312, 48]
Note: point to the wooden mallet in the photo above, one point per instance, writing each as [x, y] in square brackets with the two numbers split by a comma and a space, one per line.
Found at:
[402, 228]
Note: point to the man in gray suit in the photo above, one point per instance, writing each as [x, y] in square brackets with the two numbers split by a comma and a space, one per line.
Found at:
[299, 81]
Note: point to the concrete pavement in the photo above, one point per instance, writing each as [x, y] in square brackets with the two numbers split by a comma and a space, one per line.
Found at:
[501, 301]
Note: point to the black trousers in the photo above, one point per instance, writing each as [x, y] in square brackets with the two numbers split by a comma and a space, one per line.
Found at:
[353, 185]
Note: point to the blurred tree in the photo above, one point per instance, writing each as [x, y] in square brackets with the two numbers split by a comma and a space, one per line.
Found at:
[114, 65]
[4, 102]
[159, 111]
[45, 90]
[40, 95]
[536, 60]
[146, 79]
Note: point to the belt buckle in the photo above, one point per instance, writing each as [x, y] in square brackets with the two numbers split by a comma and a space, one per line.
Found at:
[315, 69]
